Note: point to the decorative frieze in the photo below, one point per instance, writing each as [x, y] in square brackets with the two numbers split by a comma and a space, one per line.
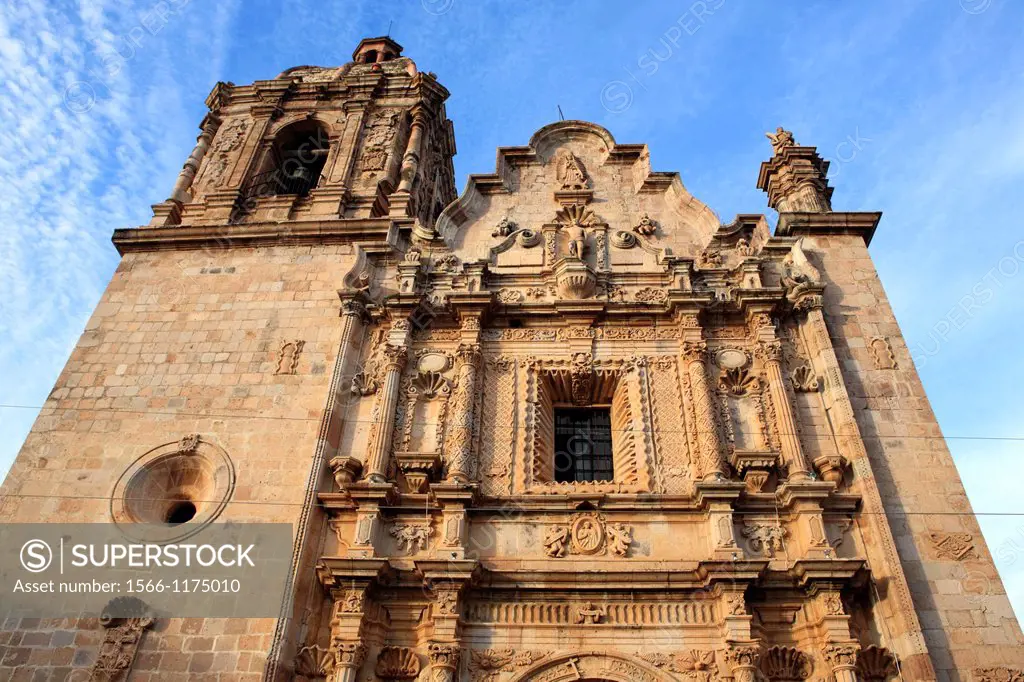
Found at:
[558, 612]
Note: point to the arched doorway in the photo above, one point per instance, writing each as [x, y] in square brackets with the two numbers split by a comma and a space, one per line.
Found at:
[591, 666]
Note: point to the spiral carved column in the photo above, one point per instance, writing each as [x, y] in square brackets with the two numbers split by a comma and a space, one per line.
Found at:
[459, 442]
[712, 463]
[377, 463]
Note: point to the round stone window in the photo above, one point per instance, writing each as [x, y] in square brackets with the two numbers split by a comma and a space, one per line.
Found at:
[173, 490]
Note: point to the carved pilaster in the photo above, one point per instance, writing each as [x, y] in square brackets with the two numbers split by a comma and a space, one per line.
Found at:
[444, 661]
[394, 358]
[770, 353]
[349, 657]
[121, 641]
[712, 462]
[842, 659]
[459, 441]
[743, 659]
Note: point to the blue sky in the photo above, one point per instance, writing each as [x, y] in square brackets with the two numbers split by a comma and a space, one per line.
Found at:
[917, 104]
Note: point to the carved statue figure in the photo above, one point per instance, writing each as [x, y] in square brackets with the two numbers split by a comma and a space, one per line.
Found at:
[620, 536]
[573, 175]
[504, 228]
[646, 226]
[781, 139]
[744, 248]
[556, 540]
[577, 240]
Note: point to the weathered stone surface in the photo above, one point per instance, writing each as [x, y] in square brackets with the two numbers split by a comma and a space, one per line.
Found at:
[774, 458]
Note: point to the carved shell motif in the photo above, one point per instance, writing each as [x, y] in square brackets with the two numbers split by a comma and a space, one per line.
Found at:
[875, 664]
[783, 663]
[314, 662]
[397, 663]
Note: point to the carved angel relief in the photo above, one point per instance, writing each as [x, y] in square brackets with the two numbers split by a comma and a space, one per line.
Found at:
[588, 534]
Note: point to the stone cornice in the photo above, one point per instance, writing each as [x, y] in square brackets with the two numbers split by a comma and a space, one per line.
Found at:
[375, 235]
[858, 223]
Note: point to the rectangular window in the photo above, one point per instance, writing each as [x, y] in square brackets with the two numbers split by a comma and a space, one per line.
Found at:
[583, 445]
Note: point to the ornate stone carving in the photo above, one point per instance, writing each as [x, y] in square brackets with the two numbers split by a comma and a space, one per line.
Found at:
[397, 663]
[710, 259]
[831, 604]
[349, 654]
[765, 539]
[646, 226]
[444, 656]
[883, 354]
[876, 664]
[582, 378]
[412, 537]
[486, 665]
[621, 239]
[1000, 674]
[786, 664]
[804, 379]
[571, 174]
[780, 139]
[743, 661]
[651, 295]
[314, 662]
[509, 296]
[353, 602]
[121, 638]
[693, 665]
[797, 272]
[504, 228]
[840, 656]
[288, 356]
[954, 546]
[738, 382]
[446, 263]
[188, 444]
[589, 614]
[588, 533]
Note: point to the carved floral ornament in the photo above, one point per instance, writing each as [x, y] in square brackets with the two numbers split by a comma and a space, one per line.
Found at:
[486, 665]
[588, 534]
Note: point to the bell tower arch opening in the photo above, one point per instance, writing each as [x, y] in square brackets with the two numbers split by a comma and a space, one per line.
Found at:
[295, 161]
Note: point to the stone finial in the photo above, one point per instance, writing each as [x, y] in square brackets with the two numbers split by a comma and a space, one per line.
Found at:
[796, 177]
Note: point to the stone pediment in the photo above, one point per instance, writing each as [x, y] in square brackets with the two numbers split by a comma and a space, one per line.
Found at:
[573, 174]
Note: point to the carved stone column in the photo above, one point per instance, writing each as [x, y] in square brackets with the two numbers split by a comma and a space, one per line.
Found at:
[444, 661]
[842, 658]
[743, 659]
[459, 441]
[377, 463]
[770, 353]
[411, 159]
[183, 185]
[837, 400]
[712, 463]
[349, 657]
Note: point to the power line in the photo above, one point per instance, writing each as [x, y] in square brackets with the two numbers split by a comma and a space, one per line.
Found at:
[511, 507]
[217, 415]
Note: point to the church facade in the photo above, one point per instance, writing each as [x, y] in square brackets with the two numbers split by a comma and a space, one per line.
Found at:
[566, 425]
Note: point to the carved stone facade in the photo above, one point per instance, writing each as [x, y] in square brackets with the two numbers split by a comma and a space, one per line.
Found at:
[409, 432]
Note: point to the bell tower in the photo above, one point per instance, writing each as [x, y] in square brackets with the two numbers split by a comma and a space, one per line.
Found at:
[369, 139]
